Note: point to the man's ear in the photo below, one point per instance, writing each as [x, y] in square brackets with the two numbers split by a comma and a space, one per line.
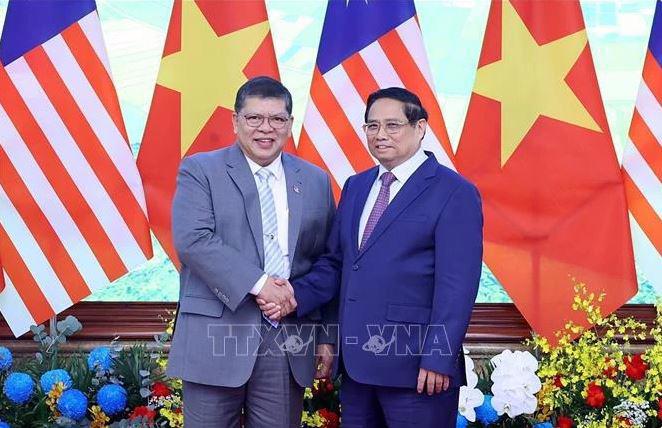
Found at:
[422, 127]
[289, 132]
[235, 124]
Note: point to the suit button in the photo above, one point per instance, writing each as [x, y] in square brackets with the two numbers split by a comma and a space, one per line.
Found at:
[355, 267]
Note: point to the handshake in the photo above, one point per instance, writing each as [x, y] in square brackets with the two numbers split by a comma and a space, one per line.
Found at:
[276, 299]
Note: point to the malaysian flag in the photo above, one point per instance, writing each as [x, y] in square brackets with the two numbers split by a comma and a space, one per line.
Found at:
[365, 46]
[642, 162]
[72, 209]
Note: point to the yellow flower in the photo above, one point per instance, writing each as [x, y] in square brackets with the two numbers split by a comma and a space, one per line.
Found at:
[52, 397]
[175, 419]
[171, 410]
[99, 418]
[584, 355]
[312, 419]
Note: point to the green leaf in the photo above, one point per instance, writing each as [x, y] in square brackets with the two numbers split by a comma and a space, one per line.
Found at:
[36, 329]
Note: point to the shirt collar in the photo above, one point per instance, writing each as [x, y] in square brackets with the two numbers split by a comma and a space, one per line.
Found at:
[405, 170]
[275, 167]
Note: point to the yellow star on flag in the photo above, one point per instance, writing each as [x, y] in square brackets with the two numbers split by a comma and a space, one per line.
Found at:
[529, 81]
[208, 69]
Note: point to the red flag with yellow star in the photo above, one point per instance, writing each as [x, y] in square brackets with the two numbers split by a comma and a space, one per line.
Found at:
[537, 144]
[211, 49]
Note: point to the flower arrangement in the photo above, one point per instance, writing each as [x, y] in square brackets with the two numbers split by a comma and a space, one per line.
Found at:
[321, 407]
[510, 398]
[112, 386]
[592, 378]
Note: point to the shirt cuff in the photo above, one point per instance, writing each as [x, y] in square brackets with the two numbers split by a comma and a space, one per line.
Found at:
[259, 284]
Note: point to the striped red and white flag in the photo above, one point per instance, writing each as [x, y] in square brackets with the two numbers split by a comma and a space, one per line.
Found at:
[642, 163]
[72, 208]
[365, 46]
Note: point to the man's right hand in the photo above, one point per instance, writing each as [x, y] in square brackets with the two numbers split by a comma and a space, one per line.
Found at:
[276, 299]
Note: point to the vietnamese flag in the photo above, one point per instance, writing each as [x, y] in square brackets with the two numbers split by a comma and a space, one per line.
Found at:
[537, 144]
[211, 49]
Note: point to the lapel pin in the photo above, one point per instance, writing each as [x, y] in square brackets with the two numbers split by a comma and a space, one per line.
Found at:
[296, 189]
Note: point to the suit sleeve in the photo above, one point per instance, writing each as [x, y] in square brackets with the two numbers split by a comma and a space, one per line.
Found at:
[458, 258]
[327, 332]
[229, 276]
[322, 283]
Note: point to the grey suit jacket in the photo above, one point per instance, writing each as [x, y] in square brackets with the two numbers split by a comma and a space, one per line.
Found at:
[217, 231]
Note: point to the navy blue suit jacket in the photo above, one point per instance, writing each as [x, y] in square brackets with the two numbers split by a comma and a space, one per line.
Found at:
[405, 299]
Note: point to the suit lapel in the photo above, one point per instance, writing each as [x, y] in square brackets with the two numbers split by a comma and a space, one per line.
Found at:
[294, 202]
[359, 204]
[416, 184]
[240, 173]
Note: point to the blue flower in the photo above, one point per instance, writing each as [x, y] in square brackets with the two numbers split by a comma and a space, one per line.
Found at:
[51, 377]
[543, 425]
[4, 425]
[112, 399]
[100, 359]
[462, 422]
[19, 387]
[486, 413]
[72, 404]
[6, 358]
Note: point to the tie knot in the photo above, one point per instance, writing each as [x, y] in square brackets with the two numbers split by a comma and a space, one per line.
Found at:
[387, 178]
[263, 174]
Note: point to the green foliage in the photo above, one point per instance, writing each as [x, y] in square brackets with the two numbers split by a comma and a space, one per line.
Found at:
[138, 368]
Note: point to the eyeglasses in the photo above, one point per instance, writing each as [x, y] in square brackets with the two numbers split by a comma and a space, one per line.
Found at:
[256, 120]
[391, 127]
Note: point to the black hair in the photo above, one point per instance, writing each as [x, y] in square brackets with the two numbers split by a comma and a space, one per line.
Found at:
[263, 87]
[413, 109]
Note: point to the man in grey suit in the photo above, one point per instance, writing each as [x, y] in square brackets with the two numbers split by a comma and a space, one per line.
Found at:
[244, 216]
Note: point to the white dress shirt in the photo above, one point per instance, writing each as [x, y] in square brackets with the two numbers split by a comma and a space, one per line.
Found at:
[278, 187]
[402, 173]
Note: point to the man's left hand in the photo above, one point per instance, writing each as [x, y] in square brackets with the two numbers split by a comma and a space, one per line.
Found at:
[323, 360]
[432, 382]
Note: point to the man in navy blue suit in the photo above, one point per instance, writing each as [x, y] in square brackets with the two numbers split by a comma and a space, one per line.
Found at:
[404, 259]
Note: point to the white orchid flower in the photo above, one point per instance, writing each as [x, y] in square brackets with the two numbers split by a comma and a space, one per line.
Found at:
[514, 383]
[470, 398]
[514, 403]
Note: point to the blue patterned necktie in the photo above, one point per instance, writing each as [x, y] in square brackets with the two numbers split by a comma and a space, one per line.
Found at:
[273, 255]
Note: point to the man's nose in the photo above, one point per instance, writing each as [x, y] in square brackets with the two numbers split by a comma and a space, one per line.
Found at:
[381, 133]
[265, 126]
